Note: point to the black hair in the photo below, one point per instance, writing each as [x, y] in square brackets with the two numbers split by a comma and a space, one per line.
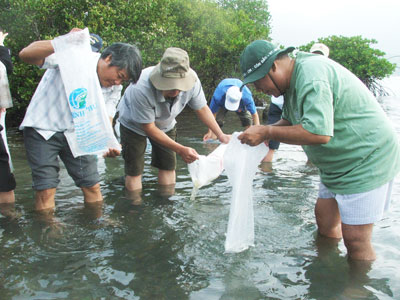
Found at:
[127, 57]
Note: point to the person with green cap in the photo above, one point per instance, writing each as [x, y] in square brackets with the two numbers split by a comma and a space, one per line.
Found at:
[148, 110]
[342, 129]
[274, 112]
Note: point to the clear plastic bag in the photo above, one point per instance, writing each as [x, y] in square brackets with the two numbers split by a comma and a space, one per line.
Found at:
[207, 168]
[241, 163]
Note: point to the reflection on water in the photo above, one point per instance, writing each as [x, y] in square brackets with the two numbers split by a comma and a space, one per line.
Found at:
[169, 247]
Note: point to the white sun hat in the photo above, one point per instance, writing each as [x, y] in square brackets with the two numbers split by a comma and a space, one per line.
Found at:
[232, 98]
[321, 48]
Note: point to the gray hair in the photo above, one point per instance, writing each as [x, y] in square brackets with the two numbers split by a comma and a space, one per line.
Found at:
[126, 57]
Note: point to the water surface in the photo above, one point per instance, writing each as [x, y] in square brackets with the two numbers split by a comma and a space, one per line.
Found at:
[171, 247]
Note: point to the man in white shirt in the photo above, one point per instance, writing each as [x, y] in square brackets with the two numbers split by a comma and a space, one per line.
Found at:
[48, 116]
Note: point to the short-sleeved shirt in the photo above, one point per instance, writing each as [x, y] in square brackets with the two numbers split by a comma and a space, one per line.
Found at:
[142, 104]
[49, 112]
[327, 99]
[218, 98]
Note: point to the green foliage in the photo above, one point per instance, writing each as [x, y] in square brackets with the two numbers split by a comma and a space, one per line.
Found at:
[214, 38]
[213, 33]
[357, 55]
[118, 20]
[256, 10]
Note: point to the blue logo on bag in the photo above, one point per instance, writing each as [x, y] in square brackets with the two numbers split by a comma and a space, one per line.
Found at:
[77, 98]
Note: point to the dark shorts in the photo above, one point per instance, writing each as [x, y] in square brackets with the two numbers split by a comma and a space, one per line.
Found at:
[274, 115]
[43, 156]
[134, 147]
[7, 180]
[244, 116]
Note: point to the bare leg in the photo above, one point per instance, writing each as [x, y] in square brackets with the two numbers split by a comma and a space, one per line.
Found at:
[135, 196]
[44, 200]
[133, 187]
[166, 190]
[328, 218]
[44, 206]
[326, 246]
[7, 200]
[7, 197]
[358, 280]
[92, 194]
[166, 177]
[93, 200]
[94, 210]
[133, 183]
[357, 239]
[269, 156]
[166, 181]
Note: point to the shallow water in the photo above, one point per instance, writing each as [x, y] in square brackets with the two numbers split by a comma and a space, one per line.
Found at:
[173, 247]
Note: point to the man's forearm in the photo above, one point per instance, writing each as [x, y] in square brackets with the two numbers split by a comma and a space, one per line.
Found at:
[208, 118]
[295, 135]
[256, 119]
[36, 52]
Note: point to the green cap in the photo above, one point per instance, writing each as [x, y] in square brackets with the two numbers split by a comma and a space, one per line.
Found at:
[257, 59]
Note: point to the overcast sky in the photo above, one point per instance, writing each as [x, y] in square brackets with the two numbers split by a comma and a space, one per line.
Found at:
[298, 22]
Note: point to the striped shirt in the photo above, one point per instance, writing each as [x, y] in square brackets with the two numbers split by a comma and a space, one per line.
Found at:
[49, 112]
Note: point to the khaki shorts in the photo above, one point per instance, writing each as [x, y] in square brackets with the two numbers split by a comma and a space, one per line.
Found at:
[134, 147]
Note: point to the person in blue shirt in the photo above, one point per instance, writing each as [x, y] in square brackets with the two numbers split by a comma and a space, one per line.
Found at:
[228, 97]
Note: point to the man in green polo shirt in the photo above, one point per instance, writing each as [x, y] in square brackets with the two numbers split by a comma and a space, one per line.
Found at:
[342, 129]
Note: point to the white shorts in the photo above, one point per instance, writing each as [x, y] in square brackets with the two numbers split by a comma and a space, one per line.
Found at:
[361, 208]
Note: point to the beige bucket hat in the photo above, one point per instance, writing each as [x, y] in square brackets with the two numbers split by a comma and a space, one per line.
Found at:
[173, 72]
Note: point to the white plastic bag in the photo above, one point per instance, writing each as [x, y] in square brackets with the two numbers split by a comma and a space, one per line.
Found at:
[92, 133]
[207, 168]
[241, 163]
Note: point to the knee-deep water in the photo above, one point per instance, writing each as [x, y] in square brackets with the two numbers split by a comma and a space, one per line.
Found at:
[171, 247]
